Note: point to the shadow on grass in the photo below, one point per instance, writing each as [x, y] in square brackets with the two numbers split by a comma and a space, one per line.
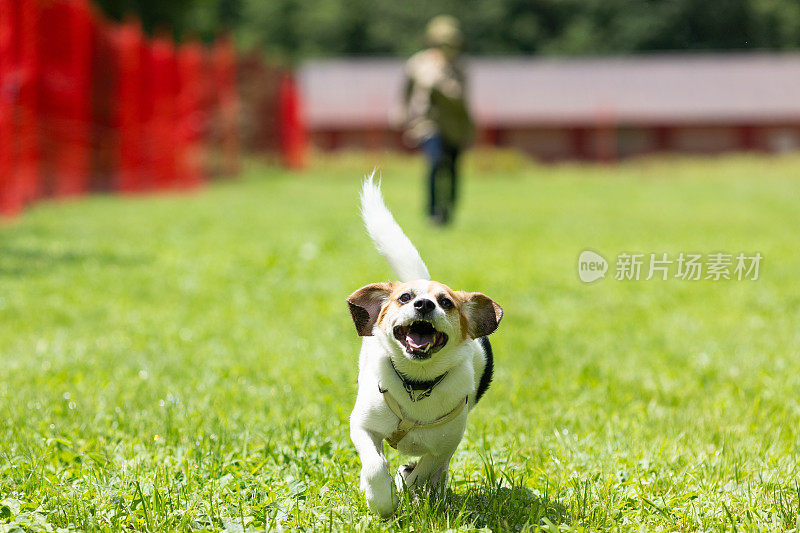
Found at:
[25, 261]
[502, 508]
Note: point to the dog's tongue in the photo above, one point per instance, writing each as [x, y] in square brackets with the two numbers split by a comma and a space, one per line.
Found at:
[419, 341]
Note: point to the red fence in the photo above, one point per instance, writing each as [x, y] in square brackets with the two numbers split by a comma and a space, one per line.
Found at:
[87, 105]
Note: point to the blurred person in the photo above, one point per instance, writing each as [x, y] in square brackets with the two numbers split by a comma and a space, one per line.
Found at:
[435, 113]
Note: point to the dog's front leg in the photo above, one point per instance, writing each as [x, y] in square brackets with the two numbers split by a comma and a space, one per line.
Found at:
[430, 470]
[376, 482]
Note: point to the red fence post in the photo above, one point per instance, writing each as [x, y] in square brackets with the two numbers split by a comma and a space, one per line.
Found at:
[228, 103]
[164, 90]
[147, 87]
[191, 116]
[292, 129]
[28, 110]
[209, 104]
[103, 122]
[52, 89]
[76, 163]
[65, 27]
[10, 202]
[129, 113]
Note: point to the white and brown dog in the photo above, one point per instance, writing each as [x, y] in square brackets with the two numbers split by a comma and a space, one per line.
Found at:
[425, 362]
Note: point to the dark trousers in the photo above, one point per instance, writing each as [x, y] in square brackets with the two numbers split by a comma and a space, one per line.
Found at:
[442, 177]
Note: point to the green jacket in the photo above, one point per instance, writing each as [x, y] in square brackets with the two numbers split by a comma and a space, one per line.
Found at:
[435, 99]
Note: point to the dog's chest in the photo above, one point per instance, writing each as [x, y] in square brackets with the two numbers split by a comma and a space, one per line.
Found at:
[428, 425]
[434, 440]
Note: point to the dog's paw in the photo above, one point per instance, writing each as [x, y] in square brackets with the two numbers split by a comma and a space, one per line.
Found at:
[438, 483]
[401, 479]
[376, 483]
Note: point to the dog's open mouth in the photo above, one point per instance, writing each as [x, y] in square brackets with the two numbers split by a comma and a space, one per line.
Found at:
[420, 338]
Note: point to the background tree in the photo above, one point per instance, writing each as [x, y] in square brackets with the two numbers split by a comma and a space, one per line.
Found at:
[297, 29]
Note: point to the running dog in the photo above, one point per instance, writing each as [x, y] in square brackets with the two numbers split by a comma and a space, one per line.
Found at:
[425, 362]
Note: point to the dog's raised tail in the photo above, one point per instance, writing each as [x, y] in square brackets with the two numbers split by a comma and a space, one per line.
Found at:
[387, 235]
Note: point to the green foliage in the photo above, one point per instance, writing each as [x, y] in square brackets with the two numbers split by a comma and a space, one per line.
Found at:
[182, 17]
[299, 29]
[188, 362]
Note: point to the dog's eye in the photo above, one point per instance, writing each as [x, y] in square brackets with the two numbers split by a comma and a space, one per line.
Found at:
[405, 297]
[446, 303]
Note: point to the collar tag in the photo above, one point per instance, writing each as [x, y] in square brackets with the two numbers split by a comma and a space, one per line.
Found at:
[416, 394]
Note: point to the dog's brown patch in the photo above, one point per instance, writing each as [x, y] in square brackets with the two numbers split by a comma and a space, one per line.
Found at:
[382, 314]
[365, 305]
[391, 302]
[483, 314]
[464, 325]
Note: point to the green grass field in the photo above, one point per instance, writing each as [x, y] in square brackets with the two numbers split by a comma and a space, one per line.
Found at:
[188, 362]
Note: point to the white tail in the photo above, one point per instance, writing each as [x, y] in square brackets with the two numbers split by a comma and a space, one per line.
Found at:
[387, 235]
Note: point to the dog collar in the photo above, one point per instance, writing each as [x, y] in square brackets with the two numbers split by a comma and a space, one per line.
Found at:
[417, 390]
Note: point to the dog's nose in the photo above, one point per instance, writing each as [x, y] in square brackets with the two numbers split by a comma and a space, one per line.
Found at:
[424, 306]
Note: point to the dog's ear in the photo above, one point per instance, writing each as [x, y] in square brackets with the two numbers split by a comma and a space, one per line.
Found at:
[365, 305]
[482, 313]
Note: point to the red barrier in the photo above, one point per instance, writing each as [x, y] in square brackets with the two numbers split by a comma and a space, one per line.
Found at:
[90, 105]
[190, 154]
[224, 65]
[28, 100]
[292, 130]
[64, 97]
[165, 84]
[130, 52]
[147, 88]
[10, 201]
[105, 107]
[76, 164]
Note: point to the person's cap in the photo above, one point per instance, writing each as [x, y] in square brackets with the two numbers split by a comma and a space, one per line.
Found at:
[443, 30]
